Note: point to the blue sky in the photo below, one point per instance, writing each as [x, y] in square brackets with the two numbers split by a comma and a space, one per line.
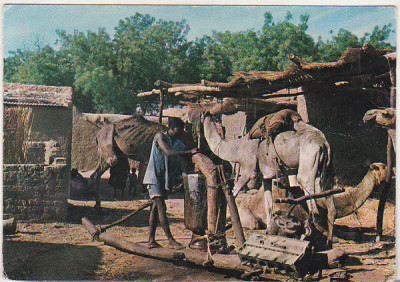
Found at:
[24, 23]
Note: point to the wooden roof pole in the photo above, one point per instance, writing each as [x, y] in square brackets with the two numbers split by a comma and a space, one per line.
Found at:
[163, 93]
[160, 111]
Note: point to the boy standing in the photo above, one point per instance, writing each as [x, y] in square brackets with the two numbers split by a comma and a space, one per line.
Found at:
[160, 177]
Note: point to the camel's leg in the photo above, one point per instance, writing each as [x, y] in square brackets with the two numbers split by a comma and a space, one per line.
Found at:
[247, 218]
[268, 205]
[331, 219]
[307, 172]
[243, 179]
[252, 183]
[102, 167]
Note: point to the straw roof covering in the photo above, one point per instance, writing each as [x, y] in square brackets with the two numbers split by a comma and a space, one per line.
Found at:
[365, 64]
[38, 95]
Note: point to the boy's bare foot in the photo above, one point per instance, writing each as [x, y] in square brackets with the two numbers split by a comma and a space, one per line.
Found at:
[152, 245]
[175, 245]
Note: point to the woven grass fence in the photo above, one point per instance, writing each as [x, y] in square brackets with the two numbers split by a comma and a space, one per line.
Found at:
[17, 123]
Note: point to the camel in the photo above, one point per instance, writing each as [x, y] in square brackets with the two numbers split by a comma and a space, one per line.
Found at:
[129, 138]
[305, 149]
[252, 212]
[385, 118]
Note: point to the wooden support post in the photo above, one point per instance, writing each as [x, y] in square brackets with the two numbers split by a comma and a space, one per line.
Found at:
[237, 225]
[389, 151]
[385, 191]
[162, 96]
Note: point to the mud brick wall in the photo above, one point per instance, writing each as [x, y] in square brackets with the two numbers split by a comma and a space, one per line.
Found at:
[36, 193]
[338, 113]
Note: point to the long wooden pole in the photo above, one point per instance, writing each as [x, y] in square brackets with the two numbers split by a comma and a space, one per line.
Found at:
[237, 225]
[143, 206]
[160, 113]
[307, 197]
[231, 262]
[385, 191]
[389, 152]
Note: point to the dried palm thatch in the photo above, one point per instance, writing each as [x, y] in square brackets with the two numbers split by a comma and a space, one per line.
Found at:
[17, 127]
[364, 64]
[355, 63]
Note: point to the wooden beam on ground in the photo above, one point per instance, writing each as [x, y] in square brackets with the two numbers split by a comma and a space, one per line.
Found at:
[231, 262]
[321, 260]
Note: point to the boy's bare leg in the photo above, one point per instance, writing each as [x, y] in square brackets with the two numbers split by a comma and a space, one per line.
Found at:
[162, 217]
[153, 220]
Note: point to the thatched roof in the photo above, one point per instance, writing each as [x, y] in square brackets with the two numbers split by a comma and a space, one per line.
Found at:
[37, 95]
[357, 64]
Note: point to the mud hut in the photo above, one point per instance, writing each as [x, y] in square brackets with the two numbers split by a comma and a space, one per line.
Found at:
[37, 151]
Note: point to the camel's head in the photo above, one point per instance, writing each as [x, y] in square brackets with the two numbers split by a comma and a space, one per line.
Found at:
[379, 171]
[383, 117]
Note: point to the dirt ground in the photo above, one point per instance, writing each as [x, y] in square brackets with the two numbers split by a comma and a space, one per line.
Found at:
[65, 251]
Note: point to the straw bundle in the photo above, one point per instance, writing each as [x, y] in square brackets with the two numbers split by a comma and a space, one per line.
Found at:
[17, 126]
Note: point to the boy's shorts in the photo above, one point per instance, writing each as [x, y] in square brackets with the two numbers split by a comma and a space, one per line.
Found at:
[156, 190]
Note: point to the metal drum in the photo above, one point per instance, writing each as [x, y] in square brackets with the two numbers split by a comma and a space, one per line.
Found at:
[195, 209]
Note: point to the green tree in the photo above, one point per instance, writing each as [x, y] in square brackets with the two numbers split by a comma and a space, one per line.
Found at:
[279, 40]
[13, 63]
[333, 49]
[42, 67]
[216, 65]
[378, 37]
[242, 49]
[91, 59]
[149, 50]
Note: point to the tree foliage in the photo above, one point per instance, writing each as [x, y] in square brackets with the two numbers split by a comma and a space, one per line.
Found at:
[107, 72]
